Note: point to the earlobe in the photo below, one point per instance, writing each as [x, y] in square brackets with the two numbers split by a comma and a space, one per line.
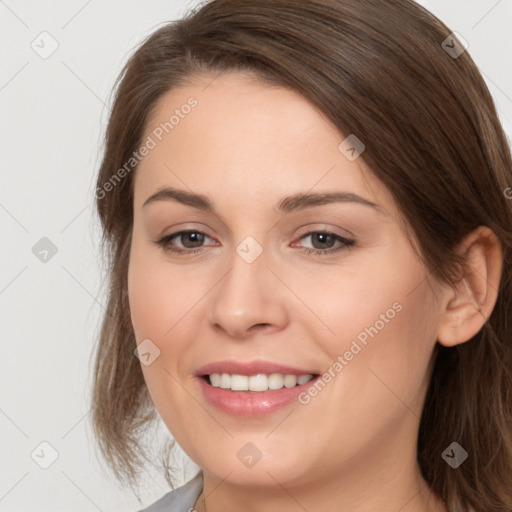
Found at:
[470, 301]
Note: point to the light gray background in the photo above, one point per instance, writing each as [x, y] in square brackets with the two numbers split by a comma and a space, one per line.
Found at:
[53, 115]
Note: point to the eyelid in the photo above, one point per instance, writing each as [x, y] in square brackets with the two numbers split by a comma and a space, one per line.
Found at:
[346, 242]
[325, 228]
[176, 235]
[164, 242]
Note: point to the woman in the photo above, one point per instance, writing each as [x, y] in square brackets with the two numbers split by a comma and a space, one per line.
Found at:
[308, 233]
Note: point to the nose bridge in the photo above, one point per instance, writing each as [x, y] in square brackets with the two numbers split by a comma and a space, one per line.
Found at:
[247, 295]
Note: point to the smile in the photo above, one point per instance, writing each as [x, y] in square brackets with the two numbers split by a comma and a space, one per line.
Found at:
[261, 394]
[258, 383]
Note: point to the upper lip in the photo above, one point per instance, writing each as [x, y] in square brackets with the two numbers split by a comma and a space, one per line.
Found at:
[250, 368]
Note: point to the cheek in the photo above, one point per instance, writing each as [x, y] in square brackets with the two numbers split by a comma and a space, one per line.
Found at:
[157, 295]
[157, 303]
[364, 297]
[383, 323]
[165, 307]
[145, 298]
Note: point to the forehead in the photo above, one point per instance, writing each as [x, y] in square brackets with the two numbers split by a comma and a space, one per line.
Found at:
[234, 133]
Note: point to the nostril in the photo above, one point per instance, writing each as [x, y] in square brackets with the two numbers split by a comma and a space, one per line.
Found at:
[260, 326]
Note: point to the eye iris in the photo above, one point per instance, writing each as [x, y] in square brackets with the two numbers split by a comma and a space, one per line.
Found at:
[196, 238]
[323, 237]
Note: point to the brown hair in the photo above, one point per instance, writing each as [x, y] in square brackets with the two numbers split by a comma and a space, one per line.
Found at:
[377, 69]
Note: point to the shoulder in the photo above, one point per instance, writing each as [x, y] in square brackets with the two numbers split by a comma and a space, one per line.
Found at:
[181, 499]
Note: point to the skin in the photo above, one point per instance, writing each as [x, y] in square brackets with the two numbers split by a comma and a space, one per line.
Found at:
[353, 446]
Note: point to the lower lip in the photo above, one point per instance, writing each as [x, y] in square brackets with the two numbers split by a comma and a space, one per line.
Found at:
[251, 403]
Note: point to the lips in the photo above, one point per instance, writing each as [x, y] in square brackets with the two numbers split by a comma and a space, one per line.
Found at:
[251, 403]
[252, 368]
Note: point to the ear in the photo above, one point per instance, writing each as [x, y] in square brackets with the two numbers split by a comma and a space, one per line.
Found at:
[469, 303]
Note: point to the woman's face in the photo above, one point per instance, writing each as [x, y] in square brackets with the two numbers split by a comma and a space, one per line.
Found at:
[359, 313]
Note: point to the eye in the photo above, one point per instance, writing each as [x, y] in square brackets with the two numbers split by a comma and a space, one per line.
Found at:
[192, 242]
[322, 238]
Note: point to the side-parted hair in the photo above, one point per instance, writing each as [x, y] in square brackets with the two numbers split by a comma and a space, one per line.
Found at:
[377, 69]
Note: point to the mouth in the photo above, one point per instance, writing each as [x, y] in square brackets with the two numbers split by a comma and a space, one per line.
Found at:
[257, 383]
[253, 389]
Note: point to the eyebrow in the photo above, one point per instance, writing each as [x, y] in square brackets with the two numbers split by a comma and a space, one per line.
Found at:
[286, 205]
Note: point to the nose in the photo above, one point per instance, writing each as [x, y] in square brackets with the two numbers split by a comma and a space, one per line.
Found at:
[249, 299]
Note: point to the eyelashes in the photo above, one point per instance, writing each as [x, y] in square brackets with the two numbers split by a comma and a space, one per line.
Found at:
[166, 242]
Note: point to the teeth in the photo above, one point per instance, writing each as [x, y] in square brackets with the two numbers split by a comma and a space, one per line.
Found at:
[303, 379]
[259, 382]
